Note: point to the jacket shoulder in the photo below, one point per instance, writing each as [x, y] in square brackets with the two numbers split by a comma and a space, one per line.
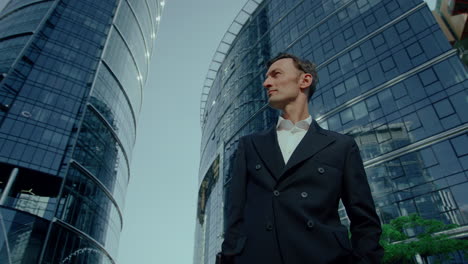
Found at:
[343, 138]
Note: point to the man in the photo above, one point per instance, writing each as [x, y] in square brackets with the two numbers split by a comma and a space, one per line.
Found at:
[287, 183]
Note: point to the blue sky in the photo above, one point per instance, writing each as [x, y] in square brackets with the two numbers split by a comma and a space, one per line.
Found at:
[159, 216]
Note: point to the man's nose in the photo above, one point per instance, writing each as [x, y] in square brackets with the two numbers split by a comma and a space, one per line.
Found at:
[267, 83]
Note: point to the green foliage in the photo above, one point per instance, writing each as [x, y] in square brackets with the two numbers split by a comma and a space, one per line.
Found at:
[425, 243]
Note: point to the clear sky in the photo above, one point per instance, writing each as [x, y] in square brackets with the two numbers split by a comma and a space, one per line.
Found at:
[159, 216]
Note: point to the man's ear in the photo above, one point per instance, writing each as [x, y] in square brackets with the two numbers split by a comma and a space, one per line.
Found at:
[306, 80]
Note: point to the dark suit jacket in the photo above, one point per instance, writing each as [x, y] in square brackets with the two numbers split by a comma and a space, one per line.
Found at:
[288, 213]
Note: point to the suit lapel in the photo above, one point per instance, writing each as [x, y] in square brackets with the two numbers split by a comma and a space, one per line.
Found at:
[314, 141]
[269, 151]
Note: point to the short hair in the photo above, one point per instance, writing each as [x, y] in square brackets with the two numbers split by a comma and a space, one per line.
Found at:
[302, 65]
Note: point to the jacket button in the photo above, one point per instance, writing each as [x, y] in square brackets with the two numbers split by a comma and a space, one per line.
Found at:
[304, 195]
[276, 193]
[321, 170]
[269, 226]
[258, 166]
[310, 224]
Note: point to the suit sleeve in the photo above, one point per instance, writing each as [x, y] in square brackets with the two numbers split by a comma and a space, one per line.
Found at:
[357, 199]
[234, 238]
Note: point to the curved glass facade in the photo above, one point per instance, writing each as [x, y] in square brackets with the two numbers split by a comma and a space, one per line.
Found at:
[71, 85]
[387, 76]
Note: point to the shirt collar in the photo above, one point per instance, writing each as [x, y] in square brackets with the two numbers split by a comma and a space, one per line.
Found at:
[285, 124]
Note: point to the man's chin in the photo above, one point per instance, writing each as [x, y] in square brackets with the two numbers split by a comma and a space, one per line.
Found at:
[275, 104]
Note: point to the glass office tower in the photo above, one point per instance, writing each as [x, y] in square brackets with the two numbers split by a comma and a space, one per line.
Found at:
[71, 80]
[387, 76]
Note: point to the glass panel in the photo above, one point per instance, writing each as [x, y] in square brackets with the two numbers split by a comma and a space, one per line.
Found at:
[21, 236]
[68, 247]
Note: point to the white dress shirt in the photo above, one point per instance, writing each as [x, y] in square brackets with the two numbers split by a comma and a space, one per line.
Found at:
[289, 135]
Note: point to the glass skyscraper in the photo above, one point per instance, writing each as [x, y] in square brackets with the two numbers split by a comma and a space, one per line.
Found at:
[71, 79]
[387, 76]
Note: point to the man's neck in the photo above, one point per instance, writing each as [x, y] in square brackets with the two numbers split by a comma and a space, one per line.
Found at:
[295, 114]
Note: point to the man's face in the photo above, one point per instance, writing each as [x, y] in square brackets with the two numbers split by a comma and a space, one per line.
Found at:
[283, 83]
